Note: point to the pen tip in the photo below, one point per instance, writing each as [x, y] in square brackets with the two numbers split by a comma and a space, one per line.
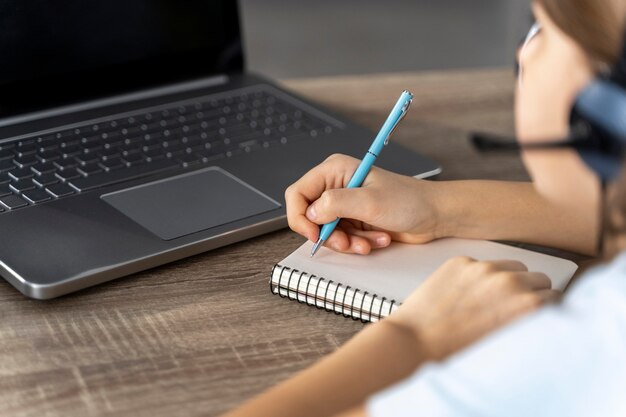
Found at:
[316, 247]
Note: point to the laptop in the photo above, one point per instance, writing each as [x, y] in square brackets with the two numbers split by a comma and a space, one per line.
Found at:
[132, 136]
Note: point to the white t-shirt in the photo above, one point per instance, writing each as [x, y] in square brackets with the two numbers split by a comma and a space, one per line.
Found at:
[565, 360]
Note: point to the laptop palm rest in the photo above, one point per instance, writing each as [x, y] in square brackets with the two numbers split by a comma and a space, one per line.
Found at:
[191, 202]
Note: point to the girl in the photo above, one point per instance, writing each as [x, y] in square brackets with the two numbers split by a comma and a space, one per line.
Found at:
[568, 359]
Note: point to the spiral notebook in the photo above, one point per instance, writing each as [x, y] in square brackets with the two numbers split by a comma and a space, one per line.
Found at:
[369, 288]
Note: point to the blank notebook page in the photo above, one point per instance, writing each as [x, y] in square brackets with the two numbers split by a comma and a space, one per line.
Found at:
[396, 271]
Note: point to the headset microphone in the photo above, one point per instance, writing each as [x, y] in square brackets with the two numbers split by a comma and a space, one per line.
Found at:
[484, 142]
[597, 126]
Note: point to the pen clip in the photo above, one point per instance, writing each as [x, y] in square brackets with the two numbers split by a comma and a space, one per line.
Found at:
[403, 113]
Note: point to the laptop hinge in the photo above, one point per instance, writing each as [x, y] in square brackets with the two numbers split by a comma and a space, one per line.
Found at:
[123, 98]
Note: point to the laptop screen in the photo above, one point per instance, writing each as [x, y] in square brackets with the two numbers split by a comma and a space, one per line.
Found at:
[55, 53]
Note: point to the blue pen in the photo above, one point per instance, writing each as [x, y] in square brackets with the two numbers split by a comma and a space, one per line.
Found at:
[382, 139]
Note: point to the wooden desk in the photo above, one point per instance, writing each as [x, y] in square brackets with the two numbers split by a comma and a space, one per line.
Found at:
[199, 336]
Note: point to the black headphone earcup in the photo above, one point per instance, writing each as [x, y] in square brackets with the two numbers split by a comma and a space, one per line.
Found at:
[599, 114]
[605, 167]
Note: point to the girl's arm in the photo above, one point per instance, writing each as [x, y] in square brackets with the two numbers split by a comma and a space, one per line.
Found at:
[458, 304]
[502, 210]
[391, 206]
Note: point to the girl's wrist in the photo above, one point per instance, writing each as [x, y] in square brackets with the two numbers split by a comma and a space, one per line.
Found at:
[444, 205]
[410, 337]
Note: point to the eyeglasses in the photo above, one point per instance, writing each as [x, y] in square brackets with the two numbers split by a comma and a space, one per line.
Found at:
[535, 29]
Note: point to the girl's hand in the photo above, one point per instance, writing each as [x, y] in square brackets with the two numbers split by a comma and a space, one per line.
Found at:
[466, 299]
[386, 207]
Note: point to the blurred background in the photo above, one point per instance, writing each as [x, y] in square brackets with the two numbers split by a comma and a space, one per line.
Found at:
[300, 38]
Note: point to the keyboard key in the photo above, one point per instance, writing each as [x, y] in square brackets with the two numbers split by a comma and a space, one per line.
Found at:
[48, 146]
[113, 143]
[208, 156]
[70, 151]
[154, 137]
[87, 158]
[46, 140]
[138, 171]
[130, 149]
[89, 169]
[174, 154]
[133, 158]
[112, 164]
[63, 136]
[45, 180]
[250, 145]
[6, 164]
[101, 127]
[21, 173]
[68, 174]
[25, 149]
[64, 164]
[109, 154]
[171, 142]
[214, 147]
[92, 149]
[28, 141]
[90, 140]
[133, 132]
[12, 202]
[173, 146]
[48, 156]
[72, 141]
[188, 160]
[22, 185]
[43, 168]
[154, 154]
[6, 154]
[151, 147]
[25, 161]
[60, 190]
[5, 190]
[36, 196]
[192, 140]
[133, 140]
[9, 145]
[111, 136]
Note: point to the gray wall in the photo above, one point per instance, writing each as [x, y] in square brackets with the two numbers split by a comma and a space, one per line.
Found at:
[325, 37]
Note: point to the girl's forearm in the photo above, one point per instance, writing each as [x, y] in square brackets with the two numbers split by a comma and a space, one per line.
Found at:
[499, 210]
[377, 357]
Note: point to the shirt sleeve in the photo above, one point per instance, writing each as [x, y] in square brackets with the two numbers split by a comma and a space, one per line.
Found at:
[568, 360]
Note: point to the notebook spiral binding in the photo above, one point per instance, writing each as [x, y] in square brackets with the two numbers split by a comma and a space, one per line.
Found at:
[329, 295]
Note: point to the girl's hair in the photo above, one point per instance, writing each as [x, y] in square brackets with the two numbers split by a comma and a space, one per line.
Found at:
[598, 27]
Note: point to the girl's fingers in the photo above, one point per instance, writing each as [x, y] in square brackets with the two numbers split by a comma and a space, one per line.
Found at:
[550, 296]
[346, 242]
[349, 237]
[537, 281]
[359, 245]
[376, 238]
[525, 303]
[299, 196]
[338, 240]
[506, 265]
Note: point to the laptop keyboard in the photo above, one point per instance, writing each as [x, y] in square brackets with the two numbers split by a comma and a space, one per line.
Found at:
[95, 154]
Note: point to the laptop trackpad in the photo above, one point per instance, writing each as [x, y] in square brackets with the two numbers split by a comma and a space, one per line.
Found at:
[188, 203]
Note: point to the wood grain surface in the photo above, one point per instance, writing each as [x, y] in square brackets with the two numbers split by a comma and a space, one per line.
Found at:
[199, 336]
